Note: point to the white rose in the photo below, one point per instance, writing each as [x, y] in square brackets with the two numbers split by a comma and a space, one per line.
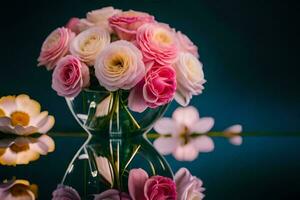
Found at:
[190, 78]
[89, 43]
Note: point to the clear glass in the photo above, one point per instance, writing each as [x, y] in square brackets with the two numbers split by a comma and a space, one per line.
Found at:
[116, 143]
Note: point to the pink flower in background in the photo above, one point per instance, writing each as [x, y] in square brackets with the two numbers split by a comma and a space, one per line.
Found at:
[73, 24]
[188, 186]
[125, 24]
[186, 45]
[119, 66]
[158, 88]
[65, 193]
[70, 76]
[181, 144]
[232, 133]
[157, 43]
[112, 194]
[141, 187]
[55, 47]
[98, 18]
[190, 78]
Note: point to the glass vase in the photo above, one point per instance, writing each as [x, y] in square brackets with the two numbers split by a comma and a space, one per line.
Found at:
[116, 143]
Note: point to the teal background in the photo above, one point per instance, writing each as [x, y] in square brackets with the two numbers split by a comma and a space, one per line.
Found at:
[248, 48]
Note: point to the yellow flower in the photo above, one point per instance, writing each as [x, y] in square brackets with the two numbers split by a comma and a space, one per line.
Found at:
[21, 115]
[18, 189]
[22, 150]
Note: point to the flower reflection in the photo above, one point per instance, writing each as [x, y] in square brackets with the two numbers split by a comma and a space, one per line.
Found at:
[65, 193]
[183, 144]
[21, 115]
[232, 133]
[18, 190]
[22, 150]
[186, 134]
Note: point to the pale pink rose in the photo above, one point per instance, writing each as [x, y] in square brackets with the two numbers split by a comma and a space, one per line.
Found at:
[190, 78]
[125, 24]
[188, 186]
[160, 188]
[141, 187]
[55, 47]
[65, 193]
[181, 144]
[70, 76]
[112, 194]
[157, 43]
[119, 66]
[156, 89]
[73, 24]
[88, 44]
[186, 45]
[98, 18]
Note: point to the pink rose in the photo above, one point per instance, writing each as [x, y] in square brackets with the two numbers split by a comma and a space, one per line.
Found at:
[158, 88]
[141, 187]
[112, 194]
[157, 43]
[188, 186]
[119, 66]
[65, 193]
[160, 188]
[73, 24]
[70, 76]
[186, 45]
[125, 24]
[55, 47]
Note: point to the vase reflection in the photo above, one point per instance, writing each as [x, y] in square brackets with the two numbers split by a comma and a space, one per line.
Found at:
[103, 164]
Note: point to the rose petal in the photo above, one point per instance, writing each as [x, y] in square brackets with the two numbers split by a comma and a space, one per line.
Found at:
[136, 181]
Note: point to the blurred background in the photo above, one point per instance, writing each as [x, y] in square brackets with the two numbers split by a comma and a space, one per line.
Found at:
[249, 49]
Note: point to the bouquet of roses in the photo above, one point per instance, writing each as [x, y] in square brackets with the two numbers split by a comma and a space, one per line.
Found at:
[117, 50]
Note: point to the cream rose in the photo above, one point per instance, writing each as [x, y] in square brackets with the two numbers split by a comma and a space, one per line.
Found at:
[119, 66]
[89, 43]
[98, 18]
[190, 78]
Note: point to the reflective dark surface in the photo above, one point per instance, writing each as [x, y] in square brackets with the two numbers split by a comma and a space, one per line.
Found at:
[261, 168]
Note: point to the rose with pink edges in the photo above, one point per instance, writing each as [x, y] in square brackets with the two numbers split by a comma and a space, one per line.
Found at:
[186, 45]
[125, 24]
[157, 43]
[157, 89]
[141, 187]
[55, 47]
[70, 76]
[73, 24]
